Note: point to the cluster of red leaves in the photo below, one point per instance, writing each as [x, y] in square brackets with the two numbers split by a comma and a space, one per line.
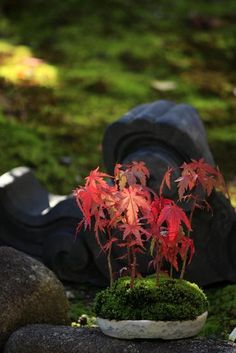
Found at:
[199, 173]
[167, 233]
[140, 214]
[197, 181]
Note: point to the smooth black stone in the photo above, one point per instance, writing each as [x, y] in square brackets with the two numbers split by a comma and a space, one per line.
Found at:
[175, 128]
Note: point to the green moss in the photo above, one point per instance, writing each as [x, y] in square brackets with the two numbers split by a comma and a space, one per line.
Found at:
[222, 312]
[171, 300]
[81, 304]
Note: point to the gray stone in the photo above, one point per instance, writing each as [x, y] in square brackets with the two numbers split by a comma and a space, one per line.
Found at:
[30, 293]
[62, 339]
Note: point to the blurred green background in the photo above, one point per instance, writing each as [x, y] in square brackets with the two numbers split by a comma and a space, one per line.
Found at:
[69, 68]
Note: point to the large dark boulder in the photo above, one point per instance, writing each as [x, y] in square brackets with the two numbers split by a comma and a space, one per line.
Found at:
[29, 293]
[62, 339]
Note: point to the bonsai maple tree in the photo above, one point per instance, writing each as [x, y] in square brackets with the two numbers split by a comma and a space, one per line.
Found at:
[144, 218]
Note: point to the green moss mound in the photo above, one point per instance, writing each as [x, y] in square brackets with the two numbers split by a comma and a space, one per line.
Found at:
[173, 299]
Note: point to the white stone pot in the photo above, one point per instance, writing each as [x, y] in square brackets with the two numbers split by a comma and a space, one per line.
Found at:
[168, 330]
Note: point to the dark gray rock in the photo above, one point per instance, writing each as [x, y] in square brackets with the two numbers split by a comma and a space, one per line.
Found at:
[29, 293]
[62, 339]
[174, 132]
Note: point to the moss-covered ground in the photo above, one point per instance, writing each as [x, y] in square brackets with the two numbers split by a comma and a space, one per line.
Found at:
[222, 311]
[69, 68]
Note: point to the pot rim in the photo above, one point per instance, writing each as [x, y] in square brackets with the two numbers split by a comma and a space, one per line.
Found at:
[131, 329]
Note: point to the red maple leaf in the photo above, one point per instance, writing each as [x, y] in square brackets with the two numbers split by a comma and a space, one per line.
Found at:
[166, 180]
[186, 244]
[173, 216]
[96, 177]
[84, 201]
[199, 173]
[135, 232]
[134, 199]
[140, 172]
[131, 174]
[187, 180]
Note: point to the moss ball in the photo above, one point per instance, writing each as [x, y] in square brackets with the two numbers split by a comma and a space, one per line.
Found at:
[173, 299]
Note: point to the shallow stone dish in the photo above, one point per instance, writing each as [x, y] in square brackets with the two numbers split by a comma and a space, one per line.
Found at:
[167, 330]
